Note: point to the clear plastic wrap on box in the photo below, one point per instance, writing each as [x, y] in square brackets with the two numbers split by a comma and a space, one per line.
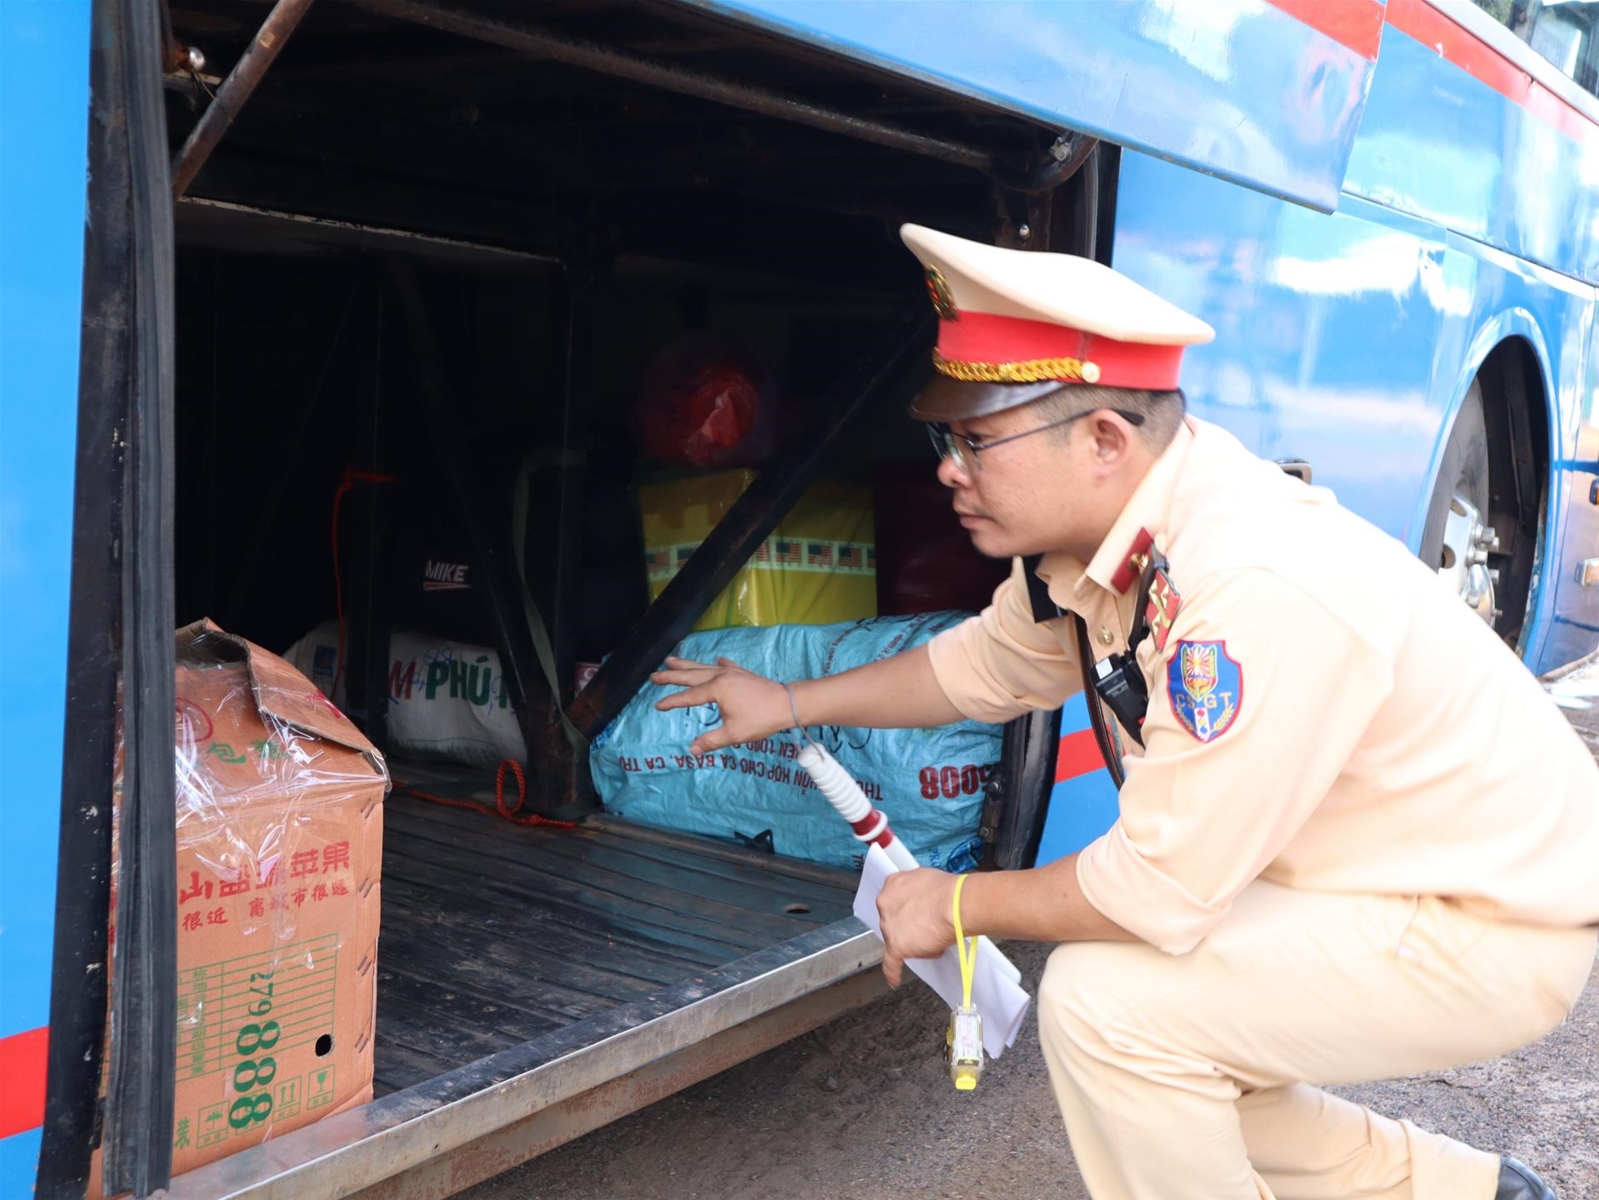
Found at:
[279, 848]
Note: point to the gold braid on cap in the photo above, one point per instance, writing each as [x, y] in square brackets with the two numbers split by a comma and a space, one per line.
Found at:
[1034, 370]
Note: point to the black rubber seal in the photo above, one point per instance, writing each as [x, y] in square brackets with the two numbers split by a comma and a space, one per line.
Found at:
[141, 1078]
[121, 624]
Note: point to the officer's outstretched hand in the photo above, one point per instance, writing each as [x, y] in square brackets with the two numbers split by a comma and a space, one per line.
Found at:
[752, 706]
[917, 912]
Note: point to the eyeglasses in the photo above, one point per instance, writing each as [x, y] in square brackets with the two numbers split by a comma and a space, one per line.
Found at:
[963, 450]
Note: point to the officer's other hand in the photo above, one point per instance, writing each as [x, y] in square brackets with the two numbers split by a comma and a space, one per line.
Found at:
[916, 910]
[752, 706]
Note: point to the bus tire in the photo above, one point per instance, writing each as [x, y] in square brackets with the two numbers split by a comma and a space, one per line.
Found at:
[1458, 537]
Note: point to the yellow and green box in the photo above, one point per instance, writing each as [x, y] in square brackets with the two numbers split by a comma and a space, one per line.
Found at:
[819, 566]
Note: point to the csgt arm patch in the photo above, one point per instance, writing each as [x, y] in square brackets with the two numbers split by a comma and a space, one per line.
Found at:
[1206, 688]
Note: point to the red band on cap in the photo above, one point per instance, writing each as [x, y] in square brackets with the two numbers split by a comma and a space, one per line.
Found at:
[985, 338]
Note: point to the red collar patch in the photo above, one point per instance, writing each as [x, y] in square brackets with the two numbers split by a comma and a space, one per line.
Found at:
[1161, 610]
[1133, 564]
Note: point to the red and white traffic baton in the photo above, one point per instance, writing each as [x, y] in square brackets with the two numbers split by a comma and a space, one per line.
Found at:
[871, 824]
[844, 794]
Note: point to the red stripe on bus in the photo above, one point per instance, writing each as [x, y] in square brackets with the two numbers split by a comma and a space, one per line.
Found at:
[1353, 23]
[1482, 62]
[22, 1062]
[1078, 755]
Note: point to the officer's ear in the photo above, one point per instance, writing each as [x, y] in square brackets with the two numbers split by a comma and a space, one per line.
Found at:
[1113, 437]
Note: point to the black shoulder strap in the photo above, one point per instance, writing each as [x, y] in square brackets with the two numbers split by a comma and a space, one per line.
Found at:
[1044, 608]
[1096, 706]
[1118, 681]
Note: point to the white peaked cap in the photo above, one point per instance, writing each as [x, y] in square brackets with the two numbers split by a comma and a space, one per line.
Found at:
[1014, 322]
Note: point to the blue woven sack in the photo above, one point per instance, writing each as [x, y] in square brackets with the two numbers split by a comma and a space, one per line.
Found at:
[928, 781]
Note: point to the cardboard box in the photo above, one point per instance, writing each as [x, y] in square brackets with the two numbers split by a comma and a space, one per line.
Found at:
[280, 841]
[818, 567]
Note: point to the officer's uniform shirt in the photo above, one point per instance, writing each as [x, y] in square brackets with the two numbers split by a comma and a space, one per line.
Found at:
[1323, 712]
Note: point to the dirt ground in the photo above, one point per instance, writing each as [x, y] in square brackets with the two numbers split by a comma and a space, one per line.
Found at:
[863, 1109]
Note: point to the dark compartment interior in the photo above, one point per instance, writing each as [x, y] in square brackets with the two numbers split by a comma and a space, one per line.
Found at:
[420, 256]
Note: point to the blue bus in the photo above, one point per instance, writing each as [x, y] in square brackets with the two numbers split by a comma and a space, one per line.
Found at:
[263, 272]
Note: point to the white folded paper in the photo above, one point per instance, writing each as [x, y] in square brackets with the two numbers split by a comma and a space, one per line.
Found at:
[996, 992]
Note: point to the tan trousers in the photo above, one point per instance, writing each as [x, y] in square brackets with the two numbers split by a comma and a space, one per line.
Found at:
[1188, 1078]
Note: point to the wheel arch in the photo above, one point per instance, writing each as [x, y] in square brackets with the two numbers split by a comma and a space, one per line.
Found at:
[1509, 357]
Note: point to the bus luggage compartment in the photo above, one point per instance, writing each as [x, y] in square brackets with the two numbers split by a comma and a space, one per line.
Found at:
[408, 286]
[513, 954]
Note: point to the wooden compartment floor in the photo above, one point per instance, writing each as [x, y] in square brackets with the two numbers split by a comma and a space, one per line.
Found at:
[496, 933]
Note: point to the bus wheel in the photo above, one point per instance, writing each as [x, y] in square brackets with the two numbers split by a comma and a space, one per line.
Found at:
[1458, 539]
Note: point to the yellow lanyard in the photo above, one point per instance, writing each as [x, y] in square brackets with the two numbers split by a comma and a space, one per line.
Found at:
[965, 948]
[965, 1038]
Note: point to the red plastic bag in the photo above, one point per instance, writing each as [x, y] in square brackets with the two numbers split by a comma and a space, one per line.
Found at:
[704, 404]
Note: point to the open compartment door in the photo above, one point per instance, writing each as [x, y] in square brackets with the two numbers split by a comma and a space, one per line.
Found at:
[1266, 93]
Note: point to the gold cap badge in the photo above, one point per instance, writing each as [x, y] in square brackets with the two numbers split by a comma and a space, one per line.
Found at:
[938, 292]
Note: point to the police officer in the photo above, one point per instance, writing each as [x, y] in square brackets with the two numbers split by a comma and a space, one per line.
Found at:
[1355, 840]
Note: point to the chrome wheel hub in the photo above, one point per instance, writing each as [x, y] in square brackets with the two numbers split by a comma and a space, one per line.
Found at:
[1467, 544]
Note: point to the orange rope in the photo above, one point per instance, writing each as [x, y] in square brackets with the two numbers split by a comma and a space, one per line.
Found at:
[351, 478]
[512, 813]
